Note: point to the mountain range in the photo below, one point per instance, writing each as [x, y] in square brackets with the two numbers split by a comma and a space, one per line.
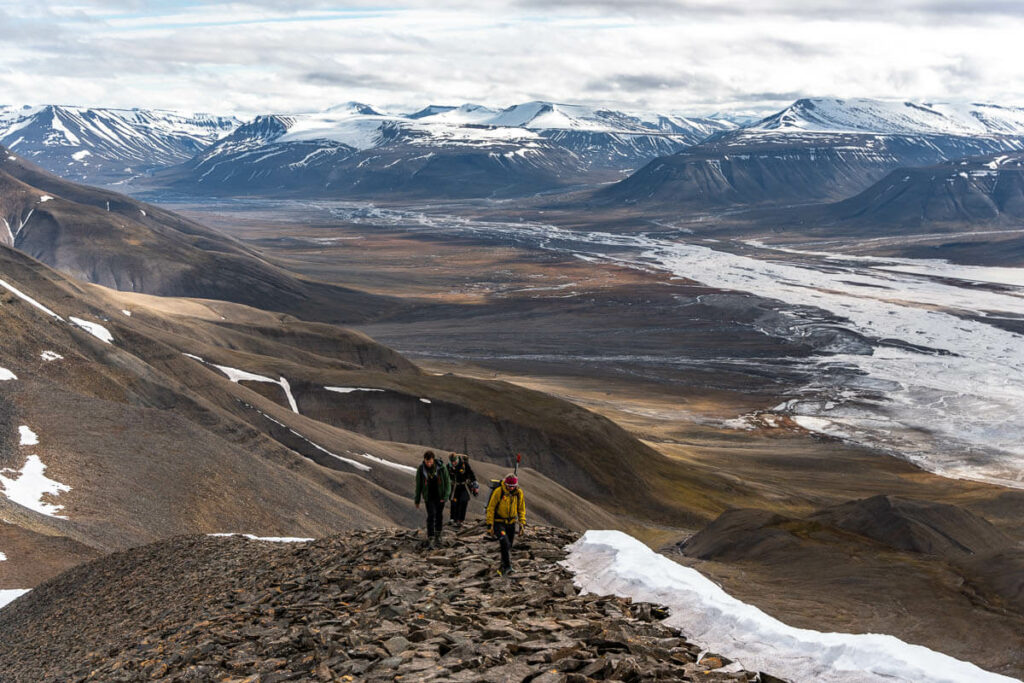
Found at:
[101, 146]
[818, 150]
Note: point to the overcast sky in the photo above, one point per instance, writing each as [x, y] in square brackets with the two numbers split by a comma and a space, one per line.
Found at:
[690, 56]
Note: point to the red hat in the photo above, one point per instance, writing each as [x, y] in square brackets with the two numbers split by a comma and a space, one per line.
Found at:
[511, 482]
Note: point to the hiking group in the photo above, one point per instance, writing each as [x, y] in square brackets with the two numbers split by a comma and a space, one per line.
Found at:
[437, 484]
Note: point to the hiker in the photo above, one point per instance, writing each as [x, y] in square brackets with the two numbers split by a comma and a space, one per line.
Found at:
[433, 486]
[507, 507]
[463, 486]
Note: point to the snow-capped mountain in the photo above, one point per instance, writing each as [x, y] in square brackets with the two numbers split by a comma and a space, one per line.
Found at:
[107, 145]
[821, 149]
[824, 115]
[470, 150]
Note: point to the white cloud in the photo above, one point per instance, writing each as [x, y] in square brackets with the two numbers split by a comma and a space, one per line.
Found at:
[684, 55]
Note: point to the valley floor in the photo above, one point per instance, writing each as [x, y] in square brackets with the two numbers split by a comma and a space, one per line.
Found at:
[697, 371]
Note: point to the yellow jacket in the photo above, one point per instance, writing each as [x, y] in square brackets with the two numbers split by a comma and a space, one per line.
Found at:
[506, 506]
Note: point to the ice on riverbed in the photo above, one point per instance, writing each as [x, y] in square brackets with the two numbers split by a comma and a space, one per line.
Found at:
[6, 375]
[611, 562]
[28, 485]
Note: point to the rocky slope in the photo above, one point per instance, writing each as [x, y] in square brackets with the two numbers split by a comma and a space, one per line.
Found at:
[367, 605]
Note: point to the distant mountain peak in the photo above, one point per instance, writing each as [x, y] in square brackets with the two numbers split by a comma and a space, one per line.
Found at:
[863, 115]
[354, 108]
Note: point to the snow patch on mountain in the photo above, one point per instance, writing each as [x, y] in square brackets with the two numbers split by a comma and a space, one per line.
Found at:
[29, 485]
[95, 329]
[611, 562]
[27, 436]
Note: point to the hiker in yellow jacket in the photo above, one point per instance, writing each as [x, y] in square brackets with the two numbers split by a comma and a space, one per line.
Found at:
[506, 507]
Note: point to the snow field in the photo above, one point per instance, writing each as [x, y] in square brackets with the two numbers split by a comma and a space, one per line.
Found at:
[611, 562]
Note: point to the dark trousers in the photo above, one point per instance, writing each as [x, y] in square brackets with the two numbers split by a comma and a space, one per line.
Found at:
[506, 536]
[459, 503]
[435, 517]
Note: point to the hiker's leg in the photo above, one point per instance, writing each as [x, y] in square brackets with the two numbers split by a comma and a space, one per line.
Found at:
[506, 544]
[430, 518]
[439, 518]
[460, 505]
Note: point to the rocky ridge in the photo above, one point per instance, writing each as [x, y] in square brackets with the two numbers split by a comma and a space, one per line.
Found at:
[367, 605]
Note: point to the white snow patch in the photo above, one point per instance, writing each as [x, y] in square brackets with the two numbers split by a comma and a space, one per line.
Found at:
[268, 539]
[9, 595]
[194, 357]
[81, 154]
[50, 355]
[28, 437]
[390, 463]
[45, 198]
[611, 562]
[3, 558]
[425, 400]
[95, 329]
[6, 375]
[30, 485]
[126, 312]
[25, 297]
[349, 390]
[236, 375]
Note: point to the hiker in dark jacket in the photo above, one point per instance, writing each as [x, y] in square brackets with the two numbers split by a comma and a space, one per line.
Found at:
[462, 478]
[507, 507]
[434, 487]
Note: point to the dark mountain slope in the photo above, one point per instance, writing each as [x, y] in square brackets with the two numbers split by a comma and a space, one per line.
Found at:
[109, 239]
[949, 575]
[759, 167]
[958, 195]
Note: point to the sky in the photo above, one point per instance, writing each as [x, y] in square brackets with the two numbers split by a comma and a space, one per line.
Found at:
[686, 56]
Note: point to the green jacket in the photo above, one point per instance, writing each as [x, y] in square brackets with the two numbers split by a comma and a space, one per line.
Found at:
[444, 487]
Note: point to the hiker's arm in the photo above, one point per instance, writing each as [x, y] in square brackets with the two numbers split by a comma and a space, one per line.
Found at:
[491, 505]
[522, 508]
[419, 487]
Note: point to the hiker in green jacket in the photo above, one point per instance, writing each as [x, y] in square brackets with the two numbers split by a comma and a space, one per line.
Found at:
[433, 486]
